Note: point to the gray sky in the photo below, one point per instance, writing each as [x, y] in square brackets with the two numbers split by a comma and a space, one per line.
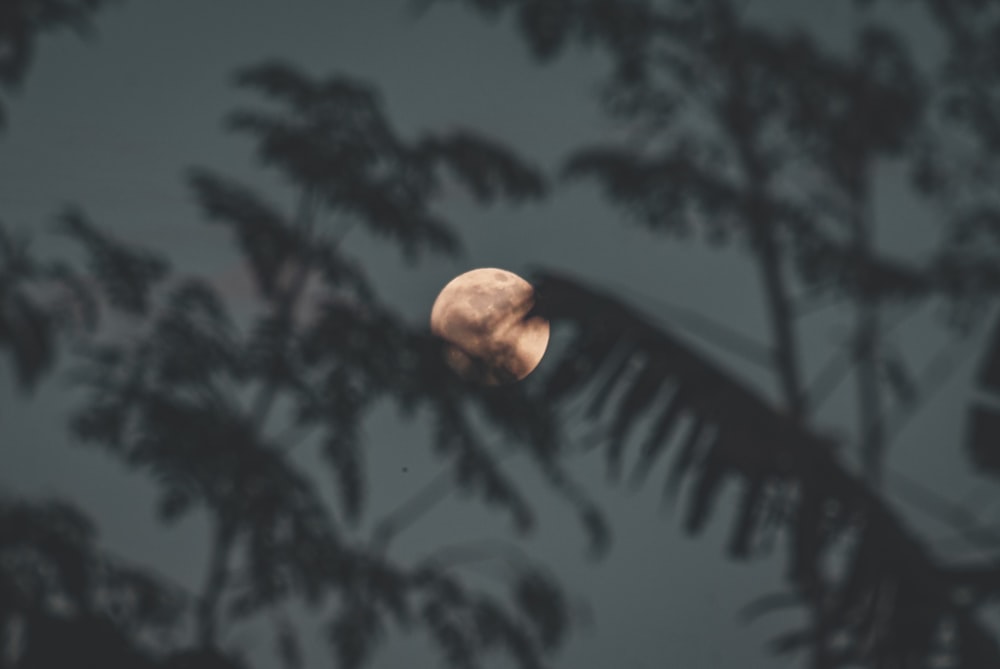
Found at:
[112, 125]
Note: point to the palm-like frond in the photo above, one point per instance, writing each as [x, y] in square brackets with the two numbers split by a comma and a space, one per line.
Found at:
[890, 601]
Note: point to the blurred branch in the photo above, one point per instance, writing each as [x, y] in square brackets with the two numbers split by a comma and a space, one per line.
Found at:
[226, 528]
[392, 524]
[839, 365]
[944, 510]
[938, 370]
[288, 301]
[467, 552]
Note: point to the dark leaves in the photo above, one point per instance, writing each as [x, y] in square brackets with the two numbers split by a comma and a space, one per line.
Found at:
[126, 274]
[640, 395]
[38, 302]
[668, 192]
[345, 458]
[62, 641]
[542, 602]
[332, 137]
[465, 626]
[192, 398]
[57, 578]
[27, 331]
[890, 598]
[487, 168]
[333, 140]
[22, 22]
[354, 633]
[476, 469]
[265, 237]
[194, 342]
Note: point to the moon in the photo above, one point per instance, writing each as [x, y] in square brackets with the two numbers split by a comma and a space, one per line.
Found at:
[482, 315]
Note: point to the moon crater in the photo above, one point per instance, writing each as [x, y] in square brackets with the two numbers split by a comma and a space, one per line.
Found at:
[482, 315]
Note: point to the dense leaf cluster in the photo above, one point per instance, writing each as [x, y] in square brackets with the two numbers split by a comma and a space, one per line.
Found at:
[889, 602]
[210, 404]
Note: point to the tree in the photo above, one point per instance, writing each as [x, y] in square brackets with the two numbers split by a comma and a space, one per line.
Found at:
[725, 113]
[726, 110]
[188, 395]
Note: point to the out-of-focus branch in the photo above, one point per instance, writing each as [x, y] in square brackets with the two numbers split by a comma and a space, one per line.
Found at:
[226, 528]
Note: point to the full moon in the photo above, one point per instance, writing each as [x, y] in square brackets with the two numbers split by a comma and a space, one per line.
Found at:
[482, 316]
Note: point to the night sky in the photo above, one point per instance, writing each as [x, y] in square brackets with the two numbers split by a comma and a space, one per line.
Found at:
[111, 125]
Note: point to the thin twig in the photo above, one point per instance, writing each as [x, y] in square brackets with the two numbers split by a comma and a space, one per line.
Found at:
[941, 367]
[438, 489]
[944, 510]
[392, 524]
[838, 366]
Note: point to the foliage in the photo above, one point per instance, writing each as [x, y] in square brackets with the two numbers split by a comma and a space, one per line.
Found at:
[71, 600]
[889, 603]
[185, 393]
[740, 132]
[747, 133]
[22, 22]
[38, 302]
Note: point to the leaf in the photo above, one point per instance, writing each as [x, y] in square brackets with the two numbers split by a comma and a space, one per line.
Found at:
[27, 331]
[644, 389]
[623, 362]
[484, 166]
[126, 274]
[343, 454]
[542, 602]
[77, 304]
[712, 474]
[667, 192]
[546, 25]
[24, 22]
[658, 438]
[263, 234]
[193, 341]
[687, 455]
[572, 372]
[748, 523]
[735, 435]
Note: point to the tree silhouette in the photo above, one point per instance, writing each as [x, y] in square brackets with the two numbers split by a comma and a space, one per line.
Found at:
[745, 134]
[748, 133]
[188, 393]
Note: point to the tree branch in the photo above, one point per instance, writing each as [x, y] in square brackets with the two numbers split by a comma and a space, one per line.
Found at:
[226, 526]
